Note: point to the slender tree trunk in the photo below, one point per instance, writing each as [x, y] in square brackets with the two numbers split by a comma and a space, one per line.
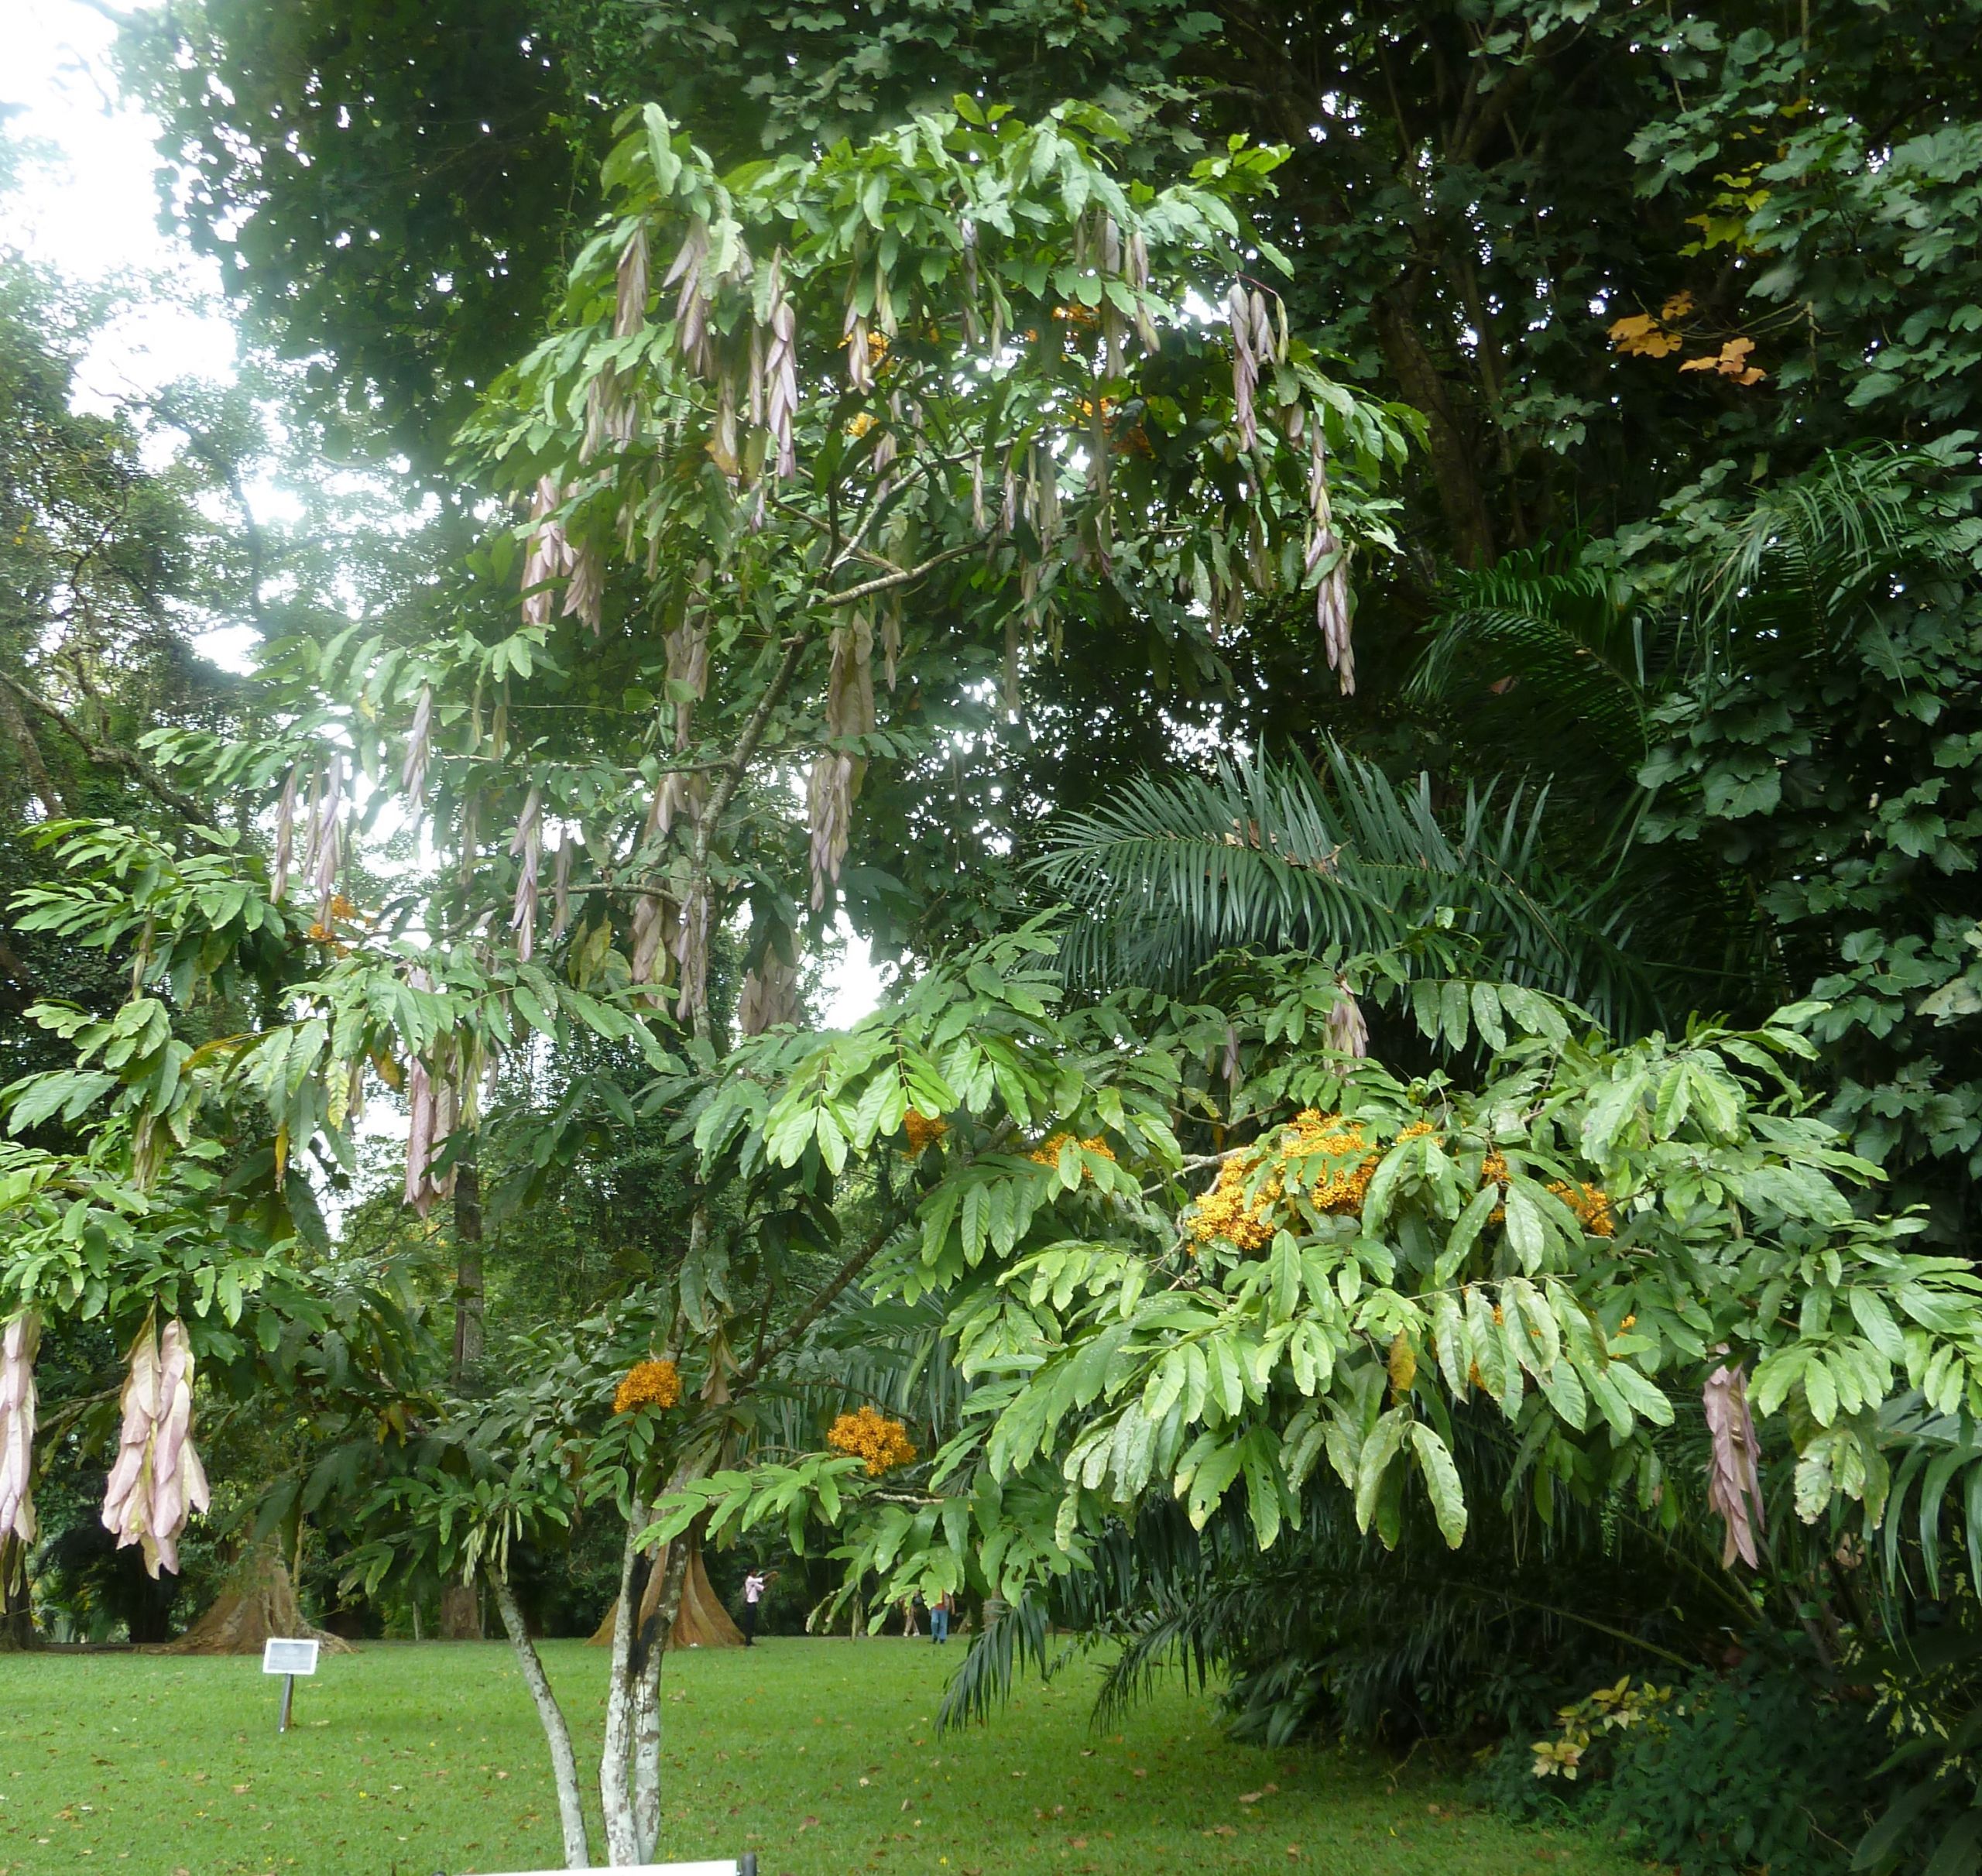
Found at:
[468, 1285]
[461, 1607]
[563, 1762]
[1460, 497]
[653, 1641]
[615, 1755]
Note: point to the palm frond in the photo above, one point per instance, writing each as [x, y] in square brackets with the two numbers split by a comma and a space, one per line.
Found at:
[1265, 854]
[1556, 649]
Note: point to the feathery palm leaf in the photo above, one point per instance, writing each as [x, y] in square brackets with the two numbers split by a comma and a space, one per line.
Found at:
[1264, 854]
[1555, 656]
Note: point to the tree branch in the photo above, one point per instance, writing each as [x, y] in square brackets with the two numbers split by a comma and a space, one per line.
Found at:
[902, 576]
[109, 755]
[848, 1273]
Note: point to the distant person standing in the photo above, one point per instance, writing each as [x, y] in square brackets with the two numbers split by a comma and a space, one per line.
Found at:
[908, 1626]
[754, 1586]
[939, 1620]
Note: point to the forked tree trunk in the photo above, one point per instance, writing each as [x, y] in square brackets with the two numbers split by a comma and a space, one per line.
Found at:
[615, 1757]
[563, 1761]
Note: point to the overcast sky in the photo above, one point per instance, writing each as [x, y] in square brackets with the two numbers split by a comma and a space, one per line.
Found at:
[89, 208]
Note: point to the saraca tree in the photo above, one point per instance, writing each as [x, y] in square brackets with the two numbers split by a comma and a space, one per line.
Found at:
[820, 454]
[1581, 1245]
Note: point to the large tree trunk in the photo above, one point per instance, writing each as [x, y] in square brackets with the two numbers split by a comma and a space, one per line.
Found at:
[701, 1621]
[259, 1603]
[1460, 498]
[460, 1612]
[563, 1761]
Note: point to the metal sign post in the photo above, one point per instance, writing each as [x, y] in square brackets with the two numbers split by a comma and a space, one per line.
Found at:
[288, 1659]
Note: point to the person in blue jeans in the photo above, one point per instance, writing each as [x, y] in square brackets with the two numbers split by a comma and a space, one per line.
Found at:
[939, 1620]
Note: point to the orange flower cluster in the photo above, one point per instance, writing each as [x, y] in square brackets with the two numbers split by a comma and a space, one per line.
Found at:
[922, 1129]
[1224, 1212]
[1591, 1204]
[323, 931]
[871, 1436]
[648, 1384]
[1047, 1152]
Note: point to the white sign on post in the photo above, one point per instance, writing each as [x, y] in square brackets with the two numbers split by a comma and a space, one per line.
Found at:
[289, 1657]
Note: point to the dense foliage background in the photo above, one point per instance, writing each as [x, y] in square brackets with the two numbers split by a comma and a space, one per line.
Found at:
[1618, 357]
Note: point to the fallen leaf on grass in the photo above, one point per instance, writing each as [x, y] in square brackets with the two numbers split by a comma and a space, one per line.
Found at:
[807, 1824]
[1251, 1797]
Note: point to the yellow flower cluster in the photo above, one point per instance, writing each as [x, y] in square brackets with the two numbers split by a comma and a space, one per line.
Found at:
[648, 1384]
[871, 1436]
[1591, 1204]
[1047, 1152]
[921, 1129]
[1224, 1212]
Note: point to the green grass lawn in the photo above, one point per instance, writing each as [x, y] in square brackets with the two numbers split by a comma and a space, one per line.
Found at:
[823, 1756]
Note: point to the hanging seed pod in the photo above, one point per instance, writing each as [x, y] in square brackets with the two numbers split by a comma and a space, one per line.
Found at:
[781, 374]
[179, 1481]
[327, 840]
[1733, 1479]
[527, 848]
[471, 833]
[548, 555]
[156, 1479]
[419, 747]
[691, 948]
[836, 775]
[723, 448]
[691, 304]
[420, 1134]
[19, 1341]
[828, 813]
[860, 354]
[1348, 1033]
[769, 996]
[891, 638]
[1244, 364]
[654, 915]
[977, 519]
[630, 312]
[1265, 348]
[561, 889]
[967, 238]
[1327, 567]
[753, 377]
[610, 415]
[285, 840]
[586, 596]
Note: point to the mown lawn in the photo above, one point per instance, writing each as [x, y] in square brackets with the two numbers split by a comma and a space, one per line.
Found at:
[822, 1755]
